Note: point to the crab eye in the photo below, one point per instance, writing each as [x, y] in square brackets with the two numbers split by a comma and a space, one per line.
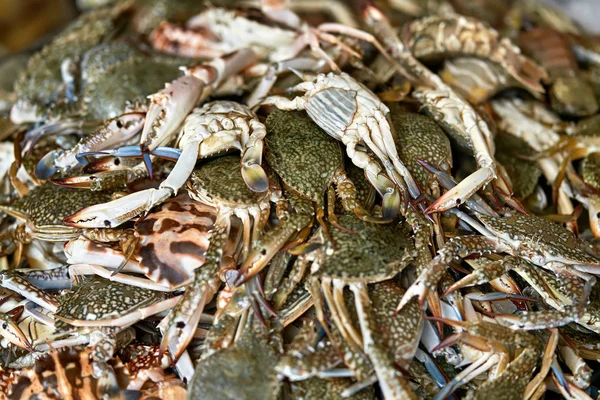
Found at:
[4, 325]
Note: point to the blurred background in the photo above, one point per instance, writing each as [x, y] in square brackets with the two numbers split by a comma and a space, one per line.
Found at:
[28, 23]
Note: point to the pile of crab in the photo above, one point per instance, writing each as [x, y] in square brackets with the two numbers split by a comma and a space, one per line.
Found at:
[302, 201]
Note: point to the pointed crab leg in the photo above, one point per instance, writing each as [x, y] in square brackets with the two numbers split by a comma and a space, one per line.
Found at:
[428, 279]
[183, 319]
[454, 112]
[393, 385]
[15, 282]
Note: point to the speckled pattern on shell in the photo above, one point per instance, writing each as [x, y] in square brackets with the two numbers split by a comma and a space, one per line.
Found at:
[49, 204]
[244, 371]
[97, 298]
[400, 332]
[373, 253]
[221, 180]
[327, 389]
[42, 80]
[301, 153]
[590, 170]
[420, 138]
[545, 237]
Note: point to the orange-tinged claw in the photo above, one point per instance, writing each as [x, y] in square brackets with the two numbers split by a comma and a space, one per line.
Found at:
[458, 194]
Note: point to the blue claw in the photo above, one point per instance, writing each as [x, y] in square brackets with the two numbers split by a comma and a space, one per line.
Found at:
[126, 151]
[45, 168]
[169, 153]
[148, 163]
[560, 376]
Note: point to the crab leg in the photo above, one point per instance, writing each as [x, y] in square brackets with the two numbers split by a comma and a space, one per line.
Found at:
[393, 385]
[183, 319]
[9, 329]
[461, 245]
[127, 320]
[112, 132]
[447, 106]
[17, 283]
[487, 273]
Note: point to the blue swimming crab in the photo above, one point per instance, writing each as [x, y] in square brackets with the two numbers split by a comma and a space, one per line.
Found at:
[360, 258]
[527, 237]
[218, 183]
[216, 127]
[359, 121]
[310, 164]
[40, 213]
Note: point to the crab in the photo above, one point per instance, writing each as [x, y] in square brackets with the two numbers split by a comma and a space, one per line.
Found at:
[215, 127]
[43, 209]
[280, 35]
[363, 121]
[148, 247]
[115, 79]
[434, 37]
[348, 266]
[64, 373]
[308, 162]
[218, 183]
[570, 93]
[477, 80]
[109, 133]
[453, 113]
[244, 370]
[515, 353]
[524, 237]
[49, 77]
[515, 118]
[101, 309]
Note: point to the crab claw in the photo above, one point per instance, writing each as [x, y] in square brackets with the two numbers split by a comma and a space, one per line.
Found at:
[116, 212]
[183, 320]
[255, 177]
[389, 193]
[46, 168]
[98, 181]
[416, 289]
[465, 189]
[10, 331]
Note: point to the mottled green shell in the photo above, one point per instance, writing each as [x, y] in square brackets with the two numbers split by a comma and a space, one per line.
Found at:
[544, 237]
[244, 371]
[523, 174]
[373, 253]
[301, 153]
[589, 127]
[420, 138]
[126, 81]
[400, 332]
[42, 80]
[98, 299]
[48, 204]
[327, 389]
[150, 13]
[220, 180]
[590, 170]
